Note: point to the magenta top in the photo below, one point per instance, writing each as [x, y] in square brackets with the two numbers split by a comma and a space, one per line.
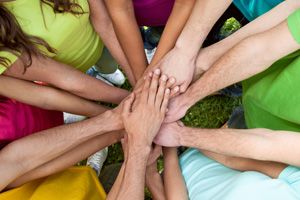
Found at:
[18, 120]
[152, 12]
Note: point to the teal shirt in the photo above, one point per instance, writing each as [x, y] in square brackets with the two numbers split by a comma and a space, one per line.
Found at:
[207, 179]
[254, 8]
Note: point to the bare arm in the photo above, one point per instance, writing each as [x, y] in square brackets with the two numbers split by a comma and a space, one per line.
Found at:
[127, 30]
[174, 184]
[267, 21]
[180, 13]
[47, 97]
[180, 62]
[237, 65]
[104, 27]
[21, 156]
[257, 144]
[272, 169]
[66, 78]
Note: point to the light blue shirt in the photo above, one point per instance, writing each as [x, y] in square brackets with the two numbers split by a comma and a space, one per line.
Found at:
[254, 8]
[207, 179]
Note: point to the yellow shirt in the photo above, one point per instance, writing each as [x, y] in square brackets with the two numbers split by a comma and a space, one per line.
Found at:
[73, 37]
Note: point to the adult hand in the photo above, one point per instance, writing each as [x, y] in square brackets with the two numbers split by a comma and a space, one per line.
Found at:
[144, 120]
[177, 108]
[169, 135]
[179, 65]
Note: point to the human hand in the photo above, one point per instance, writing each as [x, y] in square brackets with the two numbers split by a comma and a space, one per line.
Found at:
[144, 120]
[169, 135]
[177, 108]
[179, 65]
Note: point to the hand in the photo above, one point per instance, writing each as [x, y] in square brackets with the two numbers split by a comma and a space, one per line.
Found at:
[180, 66]
[144, 121]
[177, 109]
[169, 135]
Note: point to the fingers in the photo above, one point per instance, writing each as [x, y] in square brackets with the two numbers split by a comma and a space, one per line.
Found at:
[128, 103]
[171, 82]
[164, 105]
[183, 88]
[153, 86]
[174, 92]
[145, 91]
[161, 91]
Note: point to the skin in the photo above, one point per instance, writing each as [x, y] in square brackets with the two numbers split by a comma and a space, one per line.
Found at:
[122, 13]
[180, 61]
[209, 55]
[149, 111]
[20, 157]
[46, 97]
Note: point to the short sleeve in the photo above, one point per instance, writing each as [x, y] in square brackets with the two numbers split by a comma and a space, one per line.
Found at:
[294, 25]
[11, 57]
[291, 175]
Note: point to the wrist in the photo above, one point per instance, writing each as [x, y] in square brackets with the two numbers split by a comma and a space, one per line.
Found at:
[112, 121]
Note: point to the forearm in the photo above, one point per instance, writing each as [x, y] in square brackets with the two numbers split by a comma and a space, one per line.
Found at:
[258, 144]
[134, 176]
[181, 11]
[47, 97]
[21, 156]
[103, 26]
[267, 21]
[239, 63]
[54, 73]
[272, 169]
[127, 30]
[203, 17]
[174, 184]
[117, 185]
[155, 185]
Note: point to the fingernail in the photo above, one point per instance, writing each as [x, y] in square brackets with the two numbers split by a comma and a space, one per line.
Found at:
[164, 78]
[167, 91]
[150, 74]
[176, 89]
[172, 80]
[157, 71]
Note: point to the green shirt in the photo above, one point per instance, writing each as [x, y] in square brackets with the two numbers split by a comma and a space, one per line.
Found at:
[73, 37]
[271, 98]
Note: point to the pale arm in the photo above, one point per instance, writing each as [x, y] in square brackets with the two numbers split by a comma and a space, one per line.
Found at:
[66, 78]
[21, 156]
[267, 21]
[103, 26]
[47, 97]
[237, 65]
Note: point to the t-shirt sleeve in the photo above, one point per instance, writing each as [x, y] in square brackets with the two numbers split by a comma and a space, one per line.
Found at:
[291, 175]
[11, 58]
[294, 25]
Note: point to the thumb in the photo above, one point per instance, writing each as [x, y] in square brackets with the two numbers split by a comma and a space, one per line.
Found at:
[128, 104]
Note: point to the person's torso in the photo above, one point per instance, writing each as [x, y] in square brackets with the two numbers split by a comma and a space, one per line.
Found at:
[208, 179]
[152, 12]
[73, 37]
[254, 8]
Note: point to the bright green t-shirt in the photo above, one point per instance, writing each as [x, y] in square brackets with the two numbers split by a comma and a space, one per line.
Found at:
[271, 98]
[73, 37]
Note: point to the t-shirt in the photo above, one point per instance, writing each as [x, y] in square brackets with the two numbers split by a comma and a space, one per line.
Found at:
[254, 8]
[73, 37]
[271, 98]
[152, 12]
[207, 179]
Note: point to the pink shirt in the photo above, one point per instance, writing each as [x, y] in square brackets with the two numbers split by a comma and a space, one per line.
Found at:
[153, 12]
[18, 120]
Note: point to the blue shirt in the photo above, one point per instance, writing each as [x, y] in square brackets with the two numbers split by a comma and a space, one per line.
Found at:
[254, 8]
[207, 179]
